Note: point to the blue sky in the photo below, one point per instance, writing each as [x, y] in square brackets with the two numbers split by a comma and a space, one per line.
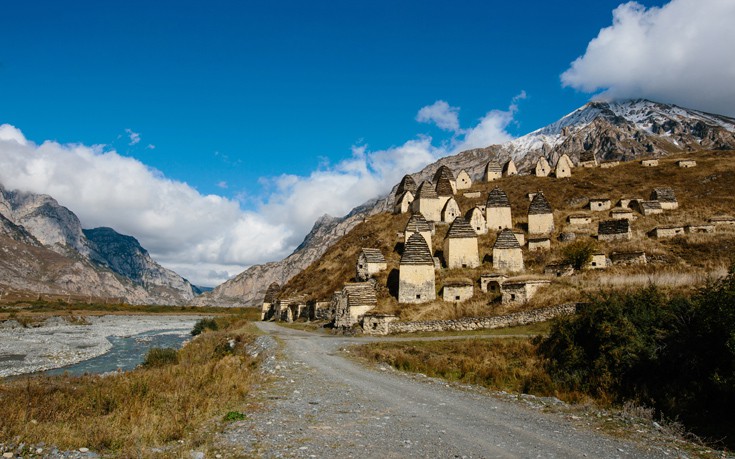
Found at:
[242, 103]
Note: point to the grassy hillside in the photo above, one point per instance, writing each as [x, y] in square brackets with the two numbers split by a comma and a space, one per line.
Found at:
[678, 263]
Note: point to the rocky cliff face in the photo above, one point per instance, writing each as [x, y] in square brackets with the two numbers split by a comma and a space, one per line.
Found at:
[45, 250]
[610, 130]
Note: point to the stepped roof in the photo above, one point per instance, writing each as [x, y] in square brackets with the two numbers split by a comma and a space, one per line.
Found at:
[443, 172]
[493, 166]
[360, 294]
[497, 198]
[407, 184]
[444, 187]
[425, 191]
[613, 227]
[416, 252]
[506, 240]
[417, 223]
[460, 228]
[539, 205]
[373, 255]
[663, 194]
[649, 205]
[271, 293]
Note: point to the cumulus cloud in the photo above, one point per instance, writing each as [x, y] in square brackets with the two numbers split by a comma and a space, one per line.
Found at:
[678, 53]
[441, 114]
[207, 238]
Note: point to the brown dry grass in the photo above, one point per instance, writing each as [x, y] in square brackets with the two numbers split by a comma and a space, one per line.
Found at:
[503, 364]
[130, 412]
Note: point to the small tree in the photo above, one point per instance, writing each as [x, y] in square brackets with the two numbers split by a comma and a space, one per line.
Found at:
[578, 253]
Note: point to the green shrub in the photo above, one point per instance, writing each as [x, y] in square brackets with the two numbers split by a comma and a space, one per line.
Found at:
[232, 416]
[578, 253]
[204, 324]
[161, 356]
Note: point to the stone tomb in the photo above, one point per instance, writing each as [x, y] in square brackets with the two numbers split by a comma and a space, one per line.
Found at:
[666, 197]
[457, 290]
[369, 262]
[427, 203]
[416, 277]
[613, 230]
[649, 163]
[492, 282]
[600, 204]
[418, 224]
[540, 216]
[542, 167]
[476, 220]
[507, 253]
[541, 243]
[493, 171]
[520, 292]
[661, 232]
[460, 245]
[563, 167]
[464, 182]
[497, 210]
[356, 299]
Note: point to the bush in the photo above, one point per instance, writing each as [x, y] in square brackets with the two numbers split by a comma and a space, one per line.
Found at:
[578, 253]
[161, 356]
[232, 416]
[204, 324]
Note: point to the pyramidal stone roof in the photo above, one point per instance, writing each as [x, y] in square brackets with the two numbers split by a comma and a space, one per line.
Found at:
[444, 187]
[497, 198]
[443, 172]
[426, 191]
[470, 213]
[613, 227]
[506, 240]
[271, 294]
[360, 294]
[510, 164]
[663, 194]
[460, 228]
[493, 166]
[417, 224]
[416, 252]
[539, 205]
[407, 184]
[373, 255]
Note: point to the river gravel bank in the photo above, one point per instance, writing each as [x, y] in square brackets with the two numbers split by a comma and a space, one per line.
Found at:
[57, 342]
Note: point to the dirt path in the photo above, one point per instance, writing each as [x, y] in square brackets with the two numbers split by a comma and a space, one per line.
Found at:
[324, 405]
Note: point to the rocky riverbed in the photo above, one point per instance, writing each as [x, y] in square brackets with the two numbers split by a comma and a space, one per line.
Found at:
[58, 342]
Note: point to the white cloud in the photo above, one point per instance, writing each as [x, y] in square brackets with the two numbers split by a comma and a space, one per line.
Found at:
[207, 238]
[678, 53]
[150, 146]
[222, 184]
[441, 114]
[134, 137]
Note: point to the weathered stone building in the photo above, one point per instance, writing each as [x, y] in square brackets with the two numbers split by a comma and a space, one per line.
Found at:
[418, 224]
[621, 213]
[563, 167]
[701, 228]
[520, 237]
[492, 282]
[597, 261]
[661, 232]
[647, 207]
[460, 245]
[666, 197]
[600, 204]
[649, 162]
[493, 171]
[612, 230]
[356, 300]
[587, 159]
[540, 215]
[403, 203]
[427, 203]
[628, 258]
[507, 253]
[497, 210]
[477, 220]
[559, 269]
[464, 182]
[416, 277]
[542, 167]
[722, 220]
[539, 243]
[407, 184]
[444, 172]
[509, 168]
[520, 292]
[369, 262]
[579, 219]
[271, 295]
[450, 211]
[609, 164]
[457, 290]
[686, 163]
[444, 191]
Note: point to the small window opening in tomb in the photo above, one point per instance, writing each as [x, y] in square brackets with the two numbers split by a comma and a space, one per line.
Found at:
[456, 298]
[594, 263]
[418, 297]
[375, 325]
[361, 266]
[512, 296]
[478, 228]
[464, 265]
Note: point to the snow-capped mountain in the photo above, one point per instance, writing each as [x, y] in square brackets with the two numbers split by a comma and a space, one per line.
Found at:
[621, 130]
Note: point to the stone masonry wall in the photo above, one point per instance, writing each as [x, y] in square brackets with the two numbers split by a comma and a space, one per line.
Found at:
[477, 323]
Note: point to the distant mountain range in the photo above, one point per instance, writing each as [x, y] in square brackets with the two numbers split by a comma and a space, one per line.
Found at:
[610, 130]
[45, 250]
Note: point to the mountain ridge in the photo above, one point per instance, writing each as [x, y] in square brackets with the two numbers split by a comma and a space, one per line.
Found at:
[618, 130]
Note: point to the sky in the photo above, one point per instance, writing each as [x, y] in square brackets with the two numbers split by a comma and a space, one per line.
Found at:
[217, 132]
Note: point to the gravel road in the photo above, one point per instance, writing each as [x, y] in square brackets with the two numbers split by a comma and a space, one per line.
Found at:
[324, 405]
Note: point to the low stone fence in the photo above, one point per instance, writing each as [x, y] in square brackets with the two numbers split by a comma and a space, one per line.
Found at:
[470, 323]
